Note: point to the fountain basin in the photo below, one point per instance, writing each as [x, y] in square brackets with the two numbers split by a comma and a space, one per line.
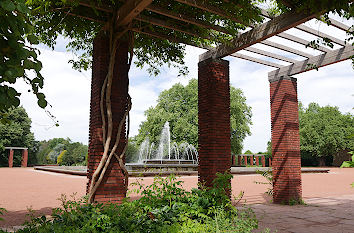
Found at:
[160, 166]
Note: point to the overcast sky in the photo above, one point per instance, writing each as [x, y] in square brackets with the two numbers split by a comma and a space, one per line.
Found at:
[68, 91]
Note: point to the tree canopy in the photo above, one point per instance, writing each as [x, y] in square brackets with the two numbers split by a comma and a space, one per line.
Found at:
[62, 151]
[179, 106]
[17, 57]
[325, 130]
[16, 133]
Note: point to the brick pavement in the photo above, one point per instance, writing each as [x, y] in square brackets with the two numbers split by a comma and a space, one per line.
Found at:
[329, 197]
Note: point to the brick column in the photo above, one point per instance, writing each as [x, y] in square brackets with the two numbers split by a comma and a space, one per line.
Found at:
[214, 119]
[263, 161]
[251, 160]
[112, 186]
[24, 158]
[11, 158]
[257, 160]
[286, 160]
[239, 157]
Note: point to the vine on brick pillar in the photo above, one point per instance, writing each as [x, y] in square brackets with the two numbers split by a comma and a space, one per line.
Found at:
[110, 147]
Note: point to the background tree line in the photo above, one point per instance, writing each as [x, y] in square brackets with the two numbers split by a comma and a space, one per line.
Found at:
[16, 132]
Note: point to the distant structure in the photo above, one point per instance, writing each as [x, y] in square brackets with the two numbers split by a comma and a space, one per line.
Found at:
[24, 155]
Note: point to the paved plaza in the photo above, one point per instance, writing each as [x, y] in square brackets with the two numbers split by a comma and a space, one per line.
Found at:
[329, 198]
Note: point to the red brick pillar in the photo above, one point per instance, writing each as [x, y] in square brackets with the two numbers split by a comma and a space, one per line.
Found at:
[112, 186]
[24, 158]
[11, 158]
[251, 160]
[245, 159]
[286, 160]
[263, 161]
[233, 163]
[257, 160]
[214, 119]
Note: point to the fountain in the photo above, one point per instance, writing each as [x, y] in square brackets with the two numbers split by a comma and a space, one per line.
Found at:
[166, 156]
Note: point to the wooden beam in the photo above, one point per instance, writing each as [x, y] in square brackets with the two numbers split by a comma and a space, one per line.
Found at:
[257, 34]
[270, 54]
[339, 25]
[186, 18]
[285, 48]
[325, 59]
[320, 34]
[166, 24]
[301, 41]
[256, 60]
[169, 38]
[98, 6]
[130, 10]
[201, 4]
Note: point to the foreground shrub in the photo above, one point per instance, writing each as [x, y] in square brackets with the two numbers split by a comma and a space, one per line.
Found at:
[164, 207]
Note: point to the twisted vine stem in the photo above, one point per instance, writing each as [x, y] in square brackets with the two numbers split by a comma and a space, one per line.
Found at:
[107, 127]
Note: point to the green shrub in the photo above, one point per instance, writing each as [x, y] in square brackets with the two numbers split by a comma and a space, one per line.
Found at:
[349, 163]
[164, 207]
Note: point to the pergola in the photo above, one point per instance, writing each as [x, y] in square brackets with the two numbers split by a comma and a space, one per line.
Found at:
[213, 83]
[11, 155]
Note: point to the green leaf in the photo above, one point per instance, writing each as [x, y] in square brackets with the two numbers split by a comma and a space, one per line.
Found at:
[42, 103]
[7, 5]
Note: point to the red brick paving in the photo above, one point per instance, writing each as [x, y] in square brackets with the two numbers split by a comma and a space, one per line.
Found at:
[328, 195]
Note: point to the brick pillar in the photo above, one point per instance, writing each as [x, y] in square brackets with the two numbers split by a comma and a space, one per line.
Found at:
[11, 158]
[112, 186]
[251, 160]
[233, 163]
[263, 161]
[245, 158]
[24, 158]
[286, 160]
[257, 160]
[239, 158]
[214, 119]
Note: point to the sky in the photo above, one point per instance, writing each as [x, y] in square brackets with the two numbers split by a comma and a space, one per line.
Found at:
[68, 91]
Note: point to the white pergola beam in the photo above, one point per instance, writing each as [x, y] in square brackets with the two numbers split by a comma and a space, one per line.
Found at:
[320, 34]
[339, 25]
[259, 33]
[285, 48]
[321, 60]
[270, 54]
[256, 60]
[301, 41]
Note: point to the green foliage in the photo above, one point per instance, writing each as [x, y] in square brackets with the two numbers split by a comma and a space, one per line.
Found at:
[324, 130]
[16, 133]
[16, 55]
[349, 163]
[179, 106]
[248, 152]
[268, 174]
[164, 207]
[2, 211]
[150, 51]
[62, 151]
[132, 153]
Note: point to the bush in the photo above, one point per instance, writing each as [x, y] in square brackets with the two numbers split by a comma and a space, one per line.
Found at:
[164, 207]
[349, 163]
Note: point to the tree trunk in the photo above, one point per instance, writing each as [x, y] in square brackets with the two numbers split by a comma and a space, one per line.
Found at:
[322, 161]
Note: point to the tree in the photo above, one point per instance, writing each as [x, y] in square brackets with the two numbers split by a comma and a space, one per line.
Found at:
[16, 56]
[324, 131]
[62, 151]
[179, 106]
[248, 152]
[17, 133]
